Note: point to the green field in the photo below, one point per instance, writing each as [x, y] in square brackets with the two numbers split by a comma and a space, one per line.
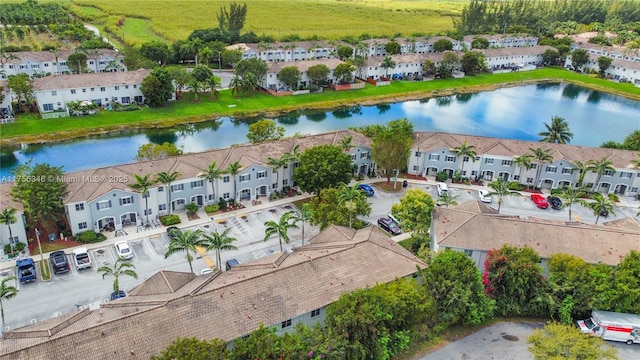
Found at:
[172, 20]
[30, 128]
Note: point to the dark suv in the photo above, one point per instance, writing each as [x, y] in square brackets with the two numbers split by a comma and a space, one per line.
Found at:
[390, 226]
[555, 202]
[59, 262]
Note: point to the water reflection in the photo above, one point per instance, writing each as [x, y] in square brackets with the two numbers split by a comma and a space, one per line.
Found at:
[548, 86]
[464, 98]
[342, 113]
[161, 136]
[572, 91]
[290, 119]
[383, 108]
[444, 101]
[594, 97]
[318, 116]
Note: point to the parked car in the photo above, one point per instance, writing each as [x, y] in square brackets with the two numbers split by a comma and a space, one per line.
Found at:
[59, 262]
[118, 295]
[231, 263]
[540, 201]
[366, 189]
[206, 271]
[394, 219]
[171, 230]
[123, 250]
[604, 212]
[81, 258]
[483, 195]
[26, 270]
[442, 188]
[389, 225]
[555, 202]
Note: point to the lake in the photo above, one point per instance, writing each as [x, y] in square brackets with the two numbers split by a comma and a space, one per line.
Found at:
[514, 113]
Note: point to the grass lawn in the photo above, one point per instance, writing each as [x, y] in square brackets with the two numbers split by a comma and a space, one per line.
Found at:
[54, 246]
[31, 129]
[45, 274]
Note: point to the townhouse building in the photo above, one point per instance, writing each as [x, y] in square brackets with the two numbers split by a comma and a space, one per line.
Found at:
[408, 66]
[271, 81]
[53, 93]
[288, 51]
[503, 40]
[497, 158]
[619, 70]
[517, 57]
[376, 47]
[16, 232]
[43, 63]
[6, 112]
[277, 291]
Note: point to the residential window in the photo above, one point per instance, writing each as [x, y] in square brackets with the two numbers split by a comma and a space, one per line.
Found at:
[125, 100]
[627, 175]
[54, 93]
[162, 207]
[534, 166]
[63, 63]
[506, 162]
[516, 177]
[93, 89]
[103, 89]
[286, 324]
[84, 90]
[197, 184]
[73, 91]
[315, 313]
[488, 161]
[474, 173]
[226, 196]
[551, 169]
[529, 180]
[126, 200]
[79, 207]
[82, 225]
[567, 171]
[126, 86]
[262, 174]
[47, 107]
[245, 178]
[226, 179]
[353, 157]
[178, 187]
[149, 212]
[105, 204]
[160, 188]
[450, 158]
[364, 155]
[608, 173]
[117, 88]
[416, 168]
[297, 164]
[274, 185]
[435, 157]
[418, 154]
[465, 159]
[468, 252]
[633, 190]
[285, 182]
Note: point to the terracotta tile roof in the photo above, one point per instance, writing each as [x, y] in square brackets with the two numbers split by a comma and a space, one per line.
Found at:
[461, 228]
[56, 82]
[405, 58]
[221, 305]
[48, 56]
[508, 51]
[303, 65]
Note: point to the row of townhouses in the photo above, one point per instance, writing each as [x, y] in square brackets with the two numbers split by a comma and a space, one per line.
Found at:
[103, 197]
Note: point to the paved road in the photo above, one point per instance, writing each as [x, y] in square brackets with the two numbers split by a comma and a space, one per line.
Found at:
[506, 341]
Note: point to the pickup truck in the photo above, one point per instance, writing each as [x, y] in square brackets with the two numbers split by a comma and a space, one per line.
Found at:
[81, 258]
[26, 270]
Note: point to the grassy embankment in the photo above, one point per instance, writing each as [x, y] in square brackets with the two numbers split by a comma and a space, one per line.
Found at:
[32, 129]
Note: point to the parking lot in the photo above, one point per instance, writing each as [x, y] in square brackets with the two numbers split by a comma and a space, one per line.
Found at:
[79, 289]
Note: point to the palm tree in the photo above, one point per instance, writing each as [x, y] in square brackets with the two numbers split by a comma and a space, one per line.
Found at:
[8, 217]
[250, 82]
[142, 184]
[465, 150]
[601, 205]
[120, 267]
[350, 197]
[540, 156]
[305, 214]
[557, 132]
[346, 143]
[233, 169]
[205, 55]
[212, 84]
[387, 64]
[293, 156]
[600, 167]
[281, 227]
[582, 167]
[447, 199]
[186, 241]
[632, 141]
[276, 164]
[501, 188]
[6, 292]
[218, 242]
[197, 87]
[572, 196]
[237, 86]
[524, 162]
[167, 178]
[211, 175]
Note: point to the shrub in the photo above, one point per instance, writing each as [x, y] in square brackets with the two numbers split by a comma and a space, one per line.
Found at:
[222, 203]
[192, 208]
[212, 208]
[89, 237]
[614, 197]
[442, 176]
[556, 191]
[517, 187]
[170, 220]
[17, 248]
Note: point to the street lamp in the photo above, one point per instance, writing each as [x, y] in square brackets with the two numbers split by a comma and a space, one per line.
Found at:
[39, 246]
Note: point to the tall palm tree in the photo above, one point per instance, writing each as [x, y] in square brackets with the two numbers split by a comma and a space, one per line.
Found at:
[212, 85]
[632, 141]
[120, 267]
[387, 64]
[276, 164]
[572, 196]
[293, 156]
[465, 150]
[6, 292]
[501, 188]
[346, 143]
[233, 169]
[281, 227]
[350, 197]
[582, 168]
[237, 86]
[447, 199]
[205, 55]
[211, 175]
[142, 184]
[8, 217]
[600, 167]
[186, 241]
[167, 178]
[557, 132]
[218, 242]
[523, 162]
[601, 205]
[541, 157]
[305, 214]
[197, 87]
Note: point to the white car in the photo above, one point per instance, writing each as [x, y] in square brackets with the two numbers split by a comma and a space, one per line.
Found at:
[123, 250]
[484, 196]
[442, 188]
[206, 271]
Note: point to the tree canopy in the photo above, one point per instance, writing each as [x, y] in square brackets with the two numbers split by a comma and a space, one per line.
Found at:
[556, 341]
[290, 76]
[264, 130]
[152, 151]
[157, 87]
[323, 167]
[391, 146]
[328, 209]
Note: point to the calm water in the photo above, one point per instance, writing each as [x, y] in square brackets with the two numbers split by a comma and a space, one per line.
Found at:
[513, 113]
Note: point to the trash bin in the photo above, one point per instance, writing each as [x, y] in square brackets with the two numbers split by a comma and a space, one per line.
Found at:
[405, 183]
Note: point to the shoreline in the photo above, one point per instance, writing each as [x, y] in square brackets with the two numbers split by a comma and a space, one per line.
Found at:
[61, 136]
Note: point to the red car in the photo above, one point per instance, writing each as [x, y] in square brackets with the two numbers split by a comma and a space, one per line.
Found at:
[540, 201]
